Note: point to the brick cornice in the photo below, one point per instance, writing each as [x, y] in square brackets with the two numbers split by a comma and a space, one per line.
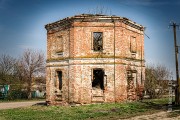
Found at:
[67, 22]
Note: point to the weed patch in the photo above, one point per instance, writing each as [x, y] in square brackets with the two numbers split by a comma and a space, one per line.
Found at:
[93, 111]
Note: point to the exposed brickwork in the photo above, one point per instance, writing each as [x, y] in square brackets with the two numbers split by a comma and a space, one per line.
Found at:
[70, 50]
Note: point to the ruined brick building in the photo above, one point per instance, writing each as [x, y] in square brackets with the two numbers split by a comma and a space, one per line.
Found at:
[94, 58]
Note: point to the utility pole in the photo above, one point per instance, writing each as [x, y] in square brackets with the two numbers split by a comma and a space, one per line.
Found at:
[177, 90]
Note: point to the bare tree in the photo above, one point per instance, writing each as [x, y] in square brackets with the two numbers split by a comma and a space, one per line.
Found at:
[156, 82]
[7, 67]
[30, 65]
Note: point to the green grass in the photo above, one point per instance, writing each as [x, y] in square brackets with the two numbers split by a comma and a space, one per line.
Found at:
[95, 111]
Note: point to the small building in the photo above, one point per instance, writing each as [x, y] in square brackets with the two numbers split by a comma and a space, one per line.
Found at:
[4, 91]
[94, 58]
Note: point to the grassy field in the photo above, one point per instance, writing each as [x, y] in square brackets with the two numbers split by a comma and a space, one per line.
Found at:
[108, 111]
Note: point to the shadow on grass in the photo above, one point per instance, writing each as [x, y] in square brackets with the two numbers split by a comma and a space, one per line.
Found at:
[40, 104]
[156, 106]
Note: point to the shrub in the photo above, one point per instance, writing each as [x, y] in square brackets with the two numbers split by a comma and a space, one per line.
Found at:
[17, 94]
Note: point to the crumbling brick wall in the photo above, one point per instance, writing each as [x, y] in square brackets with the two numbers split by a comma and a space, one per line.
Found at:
[70, 50]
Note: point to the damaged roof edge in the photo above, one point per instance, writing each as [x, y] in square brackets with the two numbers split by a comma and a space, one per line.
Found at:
[98, 16]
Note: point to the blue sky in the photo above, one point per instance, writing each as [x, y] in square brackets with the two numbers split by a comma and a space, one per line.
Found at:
[22, 23]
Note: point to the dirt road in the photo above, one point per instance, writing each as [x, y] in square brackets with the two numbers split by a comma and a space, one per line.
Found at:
[10, 105]
[156, 116]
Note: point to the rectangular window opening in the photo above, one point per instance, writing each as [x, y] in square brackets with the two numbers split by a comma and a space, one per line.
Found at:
[97, 41]
[59, 73]
[59, 44]
[59, 53]
[135, 79]
[132, 77]
[133, 45]
[98, 78]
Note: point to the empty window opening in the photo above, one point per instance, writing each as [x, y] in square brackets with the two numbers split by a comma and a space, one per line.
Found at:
[97, 41]
[98, 78]
[59, 53]
[59, 80]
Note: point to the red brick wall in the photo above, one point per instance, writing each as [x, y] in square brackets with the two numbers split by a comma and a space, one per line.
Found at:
[79, 59]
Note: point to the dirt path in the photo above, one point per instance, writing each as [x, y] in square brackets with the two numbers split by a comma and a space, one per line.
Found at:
[156, 116]
[10, 105]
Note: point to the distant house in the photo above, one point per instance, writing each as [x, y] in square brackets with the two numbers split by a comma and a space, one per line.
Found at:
[161, 89]
[4, 91]
[94, 58]
[38, 89]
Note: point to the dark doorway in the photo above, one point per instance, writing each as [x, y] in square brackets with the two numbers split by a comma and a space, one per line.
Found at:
[98, 78]
[60, 79]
